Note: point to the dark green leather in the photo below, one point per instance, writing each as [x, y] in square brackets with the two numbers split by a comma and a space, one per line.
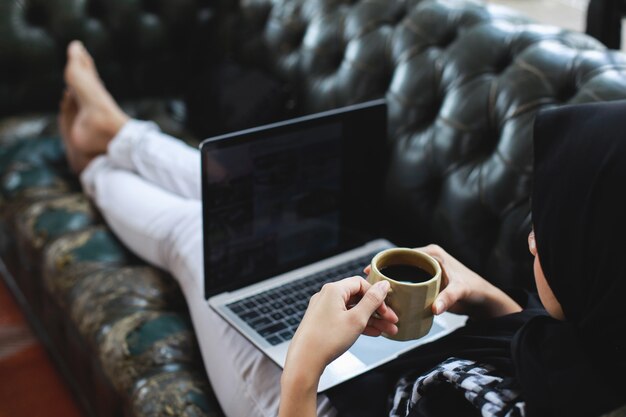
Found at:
[40, 222]
[110, 294]
[463, 81]
[73, 256]
[60, 216]
[33, 167]
[33, 151]
[133, 319]
[109, 316]
[181, 393]
[144, 342]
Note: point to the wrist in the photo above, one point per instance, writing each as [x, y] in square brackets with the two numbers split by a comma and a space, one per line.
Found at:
[305, 361]
[298, 393]
[299, 382]
[300, 377]
[499, 302]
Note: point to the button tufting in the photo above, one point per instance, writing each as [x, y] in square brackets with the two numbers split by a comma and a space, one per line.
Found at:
[446, 39]
[150, 6]
[462, 80]
[95, 9]
[469, 80]
[35, 14]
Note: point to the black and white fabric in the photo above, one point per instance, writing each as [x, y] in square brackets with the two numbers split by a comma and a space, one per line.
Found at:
[493, 395]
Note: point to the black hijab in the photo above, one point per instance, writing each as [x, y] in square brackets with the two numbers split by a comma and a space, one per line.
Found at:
[577, 367]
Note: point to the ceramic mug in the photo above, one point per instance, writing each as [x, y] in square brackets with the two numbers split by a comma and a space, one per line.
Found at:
[414, 278]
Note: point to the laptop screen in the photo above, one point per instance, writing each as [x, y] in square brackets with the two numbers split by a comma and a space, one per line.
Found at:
[284, 195]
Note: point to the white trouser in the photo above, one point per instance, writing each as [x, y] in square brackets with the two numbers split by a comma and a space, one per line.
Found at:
[147, 187]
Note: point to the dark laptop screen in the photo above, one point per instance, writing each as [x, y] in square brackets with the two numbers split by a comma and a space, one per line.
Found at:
[282, 196]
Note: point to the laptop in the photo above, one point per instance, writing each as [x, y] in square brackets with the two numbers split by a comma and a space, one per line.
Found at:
[288, 207]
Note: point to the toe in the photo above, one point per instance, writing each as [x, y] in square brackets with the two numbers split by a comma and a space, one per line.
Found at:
[74, 50]
[78, 60]
[87, 60]
[67, 114]
[77, 50]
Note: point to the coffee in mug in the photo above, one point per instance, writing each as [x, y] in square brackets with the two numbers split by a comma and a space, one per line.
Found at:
[406, 273]
[414, 279]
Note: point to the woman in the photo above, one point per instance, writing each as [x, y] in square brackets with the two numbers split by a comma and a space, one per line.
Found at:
[571, 362]
[147, 187]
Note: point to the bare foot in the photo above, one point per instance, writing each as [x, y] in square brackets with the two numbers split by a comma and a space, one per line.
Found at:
[67, 116]
[89, 117]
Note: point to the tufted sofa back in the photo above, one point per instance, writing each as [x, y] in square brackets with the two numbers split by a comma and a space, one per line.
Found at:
[142, 47]
[463, 82]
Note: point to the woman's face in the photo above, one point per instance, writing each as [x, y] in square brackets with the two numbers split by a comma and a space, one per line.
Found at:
[549, 301]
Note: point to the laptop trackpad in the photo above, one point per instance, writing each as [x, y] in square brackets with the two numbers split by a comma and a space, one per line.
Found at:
[342, 368]
[371, 350]
[366, 352]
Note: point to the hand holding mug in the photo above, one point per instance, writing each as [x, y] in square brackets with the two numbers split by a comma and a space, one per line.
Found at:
[462, 292]
[335, 318]
[466, 292]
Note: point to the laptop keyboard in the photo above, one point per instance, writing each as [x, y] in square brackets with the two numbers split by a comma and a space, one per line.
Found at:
[276, 313]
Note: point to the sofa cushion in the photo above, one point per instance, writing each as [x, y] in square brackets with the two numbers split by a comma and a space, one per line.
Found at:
[182, 393]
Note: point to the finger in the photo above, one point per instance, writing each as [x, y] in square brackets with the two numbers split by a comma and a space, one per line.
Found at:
[313, 299]
[374, 331]
[386, 313]
[351, 288]
[447, 298]
[371, 331]
[382, 325]
[427, 249]
[356, 297]
[433, 250]
[371, 300]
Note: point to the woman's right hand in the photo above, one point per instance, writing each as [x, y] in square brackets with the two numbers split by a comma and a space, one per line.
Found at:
[336, 316]
[334, 319]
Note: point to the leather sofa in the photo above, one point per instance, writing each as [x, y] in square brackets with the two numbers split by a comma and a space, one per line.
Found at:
[463, 82]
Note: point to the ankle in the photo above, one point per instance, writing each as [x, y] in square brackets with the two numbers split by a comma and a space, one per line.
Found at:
[116, 120]
[95, 128]
[107, 124]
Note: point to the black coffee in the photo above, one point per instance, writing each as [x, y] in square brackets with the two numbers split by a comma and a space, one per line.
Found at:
[407, 273]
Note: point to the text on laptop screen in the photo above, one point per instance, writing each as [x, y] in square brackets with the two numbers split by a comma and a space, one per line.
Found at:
[279, 198]
[278, 203]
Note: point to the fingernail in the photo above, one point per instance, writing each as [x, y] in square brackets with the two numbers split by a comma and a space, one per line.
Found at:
[383, 285]
[439, 307]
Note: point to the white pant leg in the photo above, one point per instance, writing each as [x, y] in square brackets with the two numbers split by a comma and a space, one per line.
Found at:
[245, 381]
[166, 230]
[173, 165]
